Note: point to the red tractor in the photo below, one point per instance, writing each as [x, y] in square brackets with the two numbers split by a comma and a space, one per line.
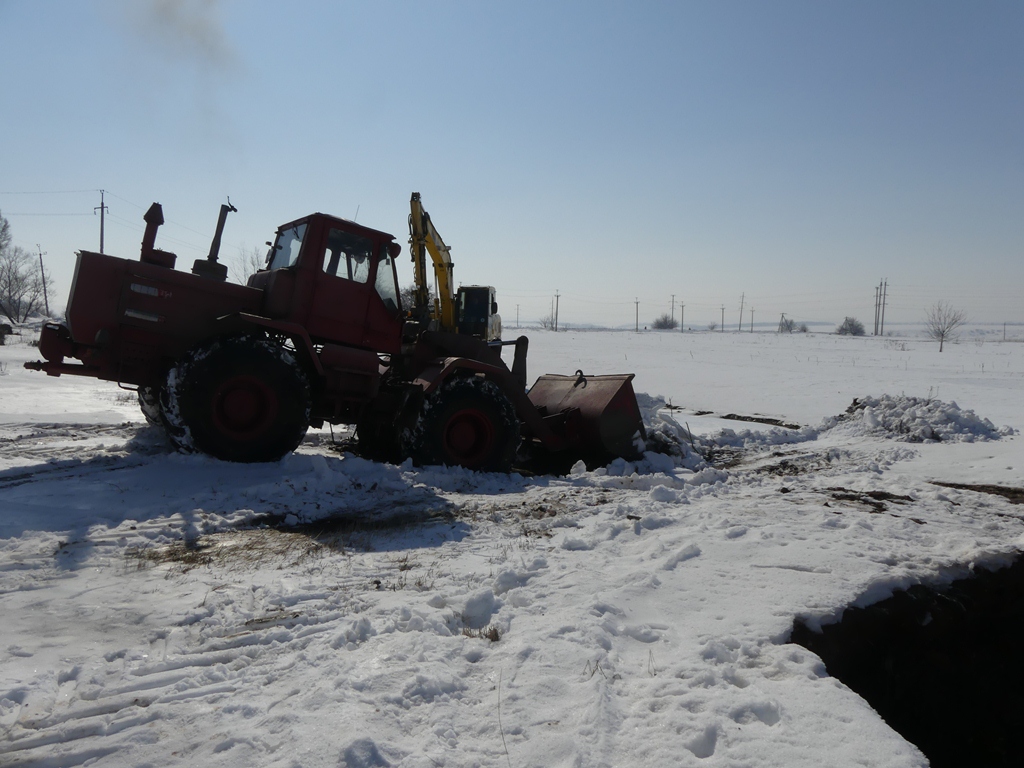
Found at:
[320, 335]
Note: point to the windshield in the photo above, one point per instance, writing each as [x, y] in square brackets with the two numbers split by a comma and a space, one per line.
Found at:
[285, 251]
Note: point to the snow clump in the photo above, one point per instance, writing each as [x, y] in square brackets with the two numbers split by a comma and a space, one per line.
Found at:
[916, 420]
[665, 436]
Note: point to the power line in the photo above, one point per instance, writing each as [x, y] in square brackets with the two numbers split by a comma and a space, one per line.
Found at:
[54, 192]
[166, 221]
[169, 238]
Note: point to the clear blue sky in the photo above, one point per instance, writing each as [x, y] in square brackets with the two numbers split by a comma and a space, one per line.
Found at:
[794, 152]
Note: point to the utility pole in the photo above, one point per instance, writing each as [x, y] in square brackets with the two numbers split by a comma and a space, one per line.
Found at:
[723, 319]
[682, 310]
[46, 300]
[517, 315]
[885, 291]
[102, 208]
[556, 310]
[781, 321]
[637, 302]
[742, 297]
[673, 309]
[751, 319]
[878, 300]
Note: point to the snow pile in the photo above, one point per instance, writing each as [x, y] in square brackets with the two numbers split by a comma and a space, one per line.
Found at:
[917, 420]
[666, 436]
[902, 418]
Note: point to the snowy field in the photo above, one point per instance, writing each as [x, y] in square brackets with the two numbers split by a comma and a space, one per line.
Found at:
[161, 609]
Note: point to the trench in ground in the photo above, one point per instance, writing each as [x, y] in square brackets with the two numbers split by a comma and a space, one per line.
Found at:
[943, 667]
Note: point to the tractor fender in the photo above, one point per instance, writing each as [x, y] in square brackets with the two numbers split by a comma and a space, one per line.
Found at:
[298, 334]
[436, 373]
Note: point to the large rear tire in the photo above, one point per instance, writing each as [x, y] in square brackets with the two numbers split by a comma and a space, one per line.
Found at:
[468, 422]
[240, 399]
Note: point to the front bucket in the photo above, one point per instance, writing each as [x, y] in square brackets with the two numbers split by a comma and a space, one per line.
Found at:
[596, 418]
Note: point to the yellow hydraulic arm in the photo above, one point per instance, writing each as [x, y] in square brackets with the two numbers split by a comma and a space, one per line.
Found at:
[423, 239]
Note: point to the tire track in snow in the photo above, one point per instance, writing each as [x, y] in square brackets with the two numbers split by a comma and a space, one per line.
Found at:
[70, 451]
[213, 660]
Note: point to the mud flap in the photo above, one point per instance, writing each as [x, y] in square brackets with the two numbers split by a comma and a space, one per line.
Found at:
[595, 418]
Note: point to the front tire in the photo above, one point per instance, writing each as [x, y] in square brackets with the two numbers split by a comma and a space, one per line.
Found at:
[242, 399]
[468, 422]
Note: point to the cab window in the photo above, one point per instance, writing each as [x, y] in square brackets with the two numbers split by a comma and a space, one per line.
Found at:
[348, 256]
[285, 251]
[386, 284]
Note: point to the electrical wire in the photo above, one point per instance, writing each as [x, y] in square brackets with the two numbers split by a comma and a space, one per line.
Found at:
[54, 192]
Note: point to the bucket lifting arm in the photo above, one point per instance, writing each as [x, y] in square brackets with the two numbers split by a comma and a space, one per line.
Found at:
[423, 239]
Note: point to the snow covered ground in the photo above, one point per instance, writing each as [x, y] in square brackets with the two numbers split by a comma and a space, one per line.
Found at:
[161, 609]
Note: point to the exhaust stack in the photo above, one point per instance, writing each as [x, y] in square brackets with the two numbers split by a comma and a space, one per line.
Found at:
[210, 267]
[154, 219]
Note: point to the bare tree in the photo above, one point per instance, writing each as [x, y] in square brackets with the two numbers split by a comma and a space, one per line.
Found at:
[712, 326]
[850, 326]
[21, 285]
[21, 282]
[5, 234]
[943, 321]
[665, 323]
[247, 263]
[408, 296]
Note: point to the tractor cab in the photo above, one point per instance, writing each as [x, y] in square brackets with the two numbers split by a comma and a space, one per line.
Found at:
[476, 312]
[336, 278]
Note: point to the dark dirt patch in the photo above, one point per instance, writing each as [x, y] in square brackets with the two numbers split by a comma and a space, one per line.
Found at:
[794, 464]
[238, 549]
[761, 420]
[1013, 495]
[874, 499]
[783, 469]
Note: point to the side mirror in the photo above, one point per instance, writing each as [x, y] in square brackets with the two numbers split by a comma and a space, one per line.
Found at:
[394, 249]
[494, 307]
